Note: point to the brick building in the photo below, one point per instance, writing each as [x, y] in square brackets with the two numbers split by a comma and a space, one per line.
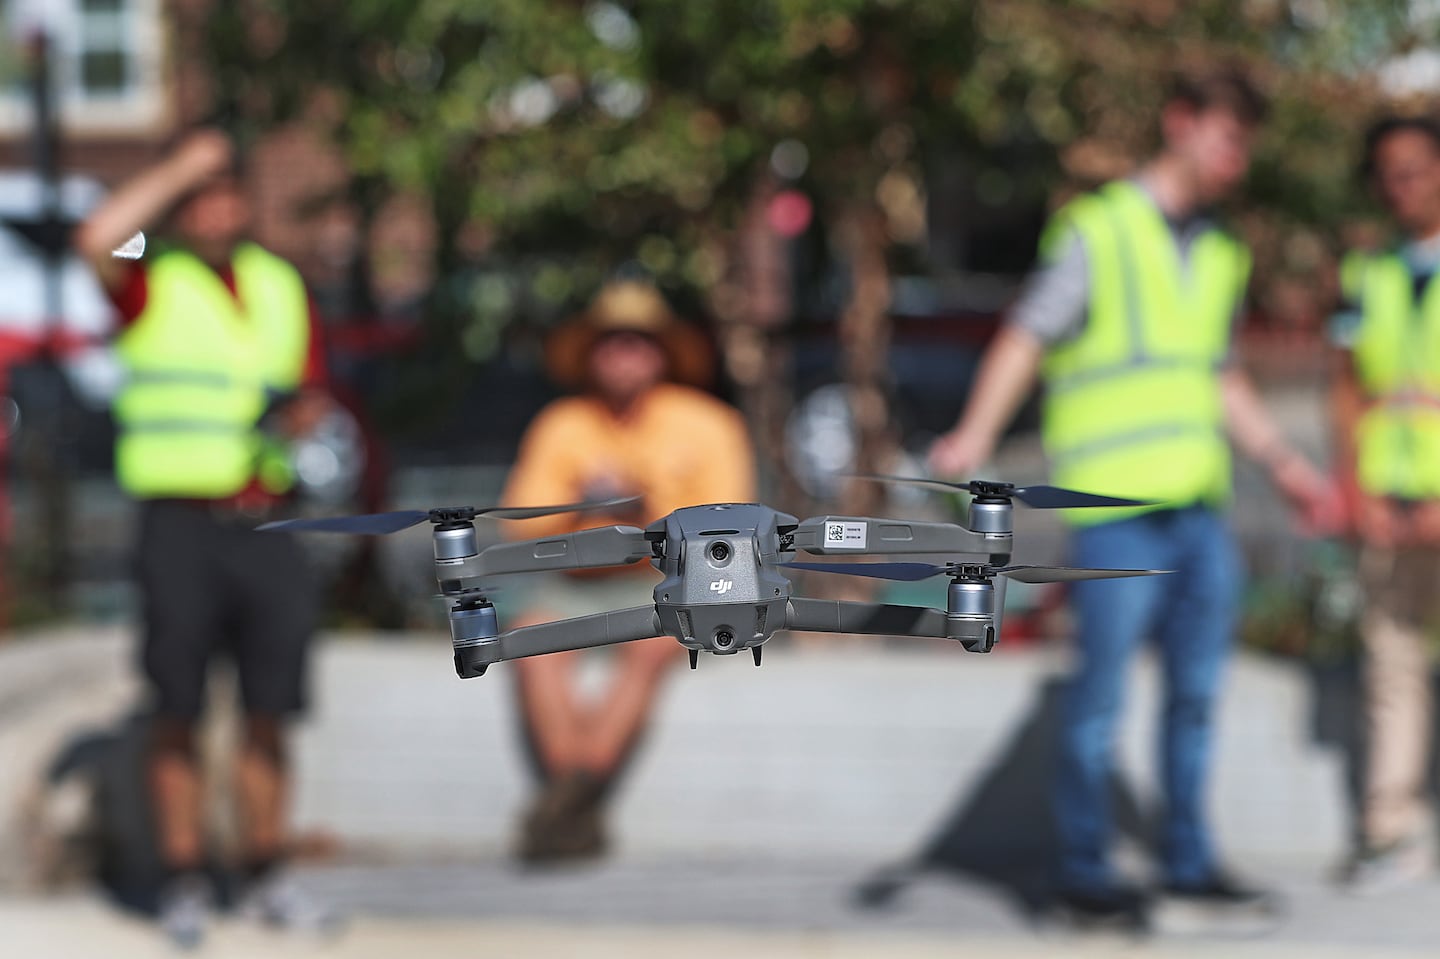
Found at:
[129, 74]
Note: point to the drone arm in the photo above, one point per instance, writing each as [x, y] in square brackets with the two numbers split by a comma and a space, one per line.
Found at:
[861, 536]
[601, 629]
[587, 549]
[876, 619]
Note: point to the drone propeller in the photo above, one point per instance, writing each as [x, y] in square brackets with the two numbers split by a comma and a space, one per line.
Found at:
[378, 524]
[1036, 497]
[914, 572]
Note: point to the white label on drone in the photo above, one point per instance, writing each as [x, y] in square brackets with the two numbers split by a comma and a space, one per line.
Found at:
[722, 586]
[845, 535]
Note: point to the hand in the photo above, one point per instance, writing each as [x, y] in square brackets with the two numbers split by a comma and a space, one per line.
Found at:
[302, 414]
[958, 454]
[203, 154]
[1376, 520]
[612, 486]
[1424, 524]
[1315, 500]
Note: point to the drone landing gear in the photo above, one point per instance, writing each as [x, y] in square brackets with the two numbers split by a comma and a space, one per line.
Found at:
[695, 656]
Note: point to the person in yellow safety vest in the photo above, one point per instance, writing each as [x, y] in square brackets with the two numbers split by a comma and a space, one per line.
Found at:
[1128, 321]
[222, 363]
[1386, 412]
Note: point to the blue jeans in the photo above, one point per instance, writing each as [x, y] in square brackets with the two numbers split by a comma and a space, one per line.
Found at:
[1191, 615]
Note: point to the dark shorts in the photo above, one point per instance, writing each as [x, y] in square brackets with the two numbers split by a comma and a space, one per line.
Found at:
[211, 586]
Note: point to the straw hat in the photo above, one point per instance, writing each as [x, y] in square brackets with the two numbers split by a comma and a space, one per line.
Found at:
[635, 307]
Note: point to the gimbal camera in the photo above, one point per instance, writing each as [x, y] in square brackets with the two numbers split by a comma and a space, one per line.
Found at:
[724, 566]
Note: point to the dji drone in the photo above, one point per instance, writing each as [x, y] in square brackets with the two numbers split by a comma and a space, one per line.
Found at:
[725, 565]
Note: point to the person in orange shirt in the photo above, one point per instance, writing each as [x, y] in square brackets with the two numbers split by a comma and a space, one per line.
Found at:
[639, 425]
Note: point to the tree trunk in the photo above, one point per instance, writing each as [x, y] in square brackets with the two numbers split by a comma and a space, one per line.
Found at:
[752, 307]
[865, 348]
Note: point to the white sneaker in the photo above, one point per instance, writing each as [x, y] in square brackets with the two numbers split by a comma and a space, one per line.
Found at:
[278, 900]
[1375, 872]
[185, 907]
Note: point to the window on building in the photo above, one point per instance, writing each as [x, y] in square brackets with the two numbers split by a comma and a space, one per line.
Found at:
[106, 62]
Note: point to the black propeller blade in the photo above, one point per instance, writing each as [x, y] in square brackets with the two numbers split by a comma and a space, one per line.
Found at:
[914, 572]
[373, 524]
[1036, 497]
[1069, 574]
[378, 524]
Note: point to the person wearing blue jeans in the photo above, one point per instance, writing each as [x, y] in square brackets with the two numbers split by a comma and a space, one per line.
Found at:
[1128, 321]
[1191, 616]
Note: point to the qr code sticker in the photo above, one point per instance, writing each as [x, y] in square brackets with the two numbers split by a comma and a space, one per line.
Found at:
[845, 535]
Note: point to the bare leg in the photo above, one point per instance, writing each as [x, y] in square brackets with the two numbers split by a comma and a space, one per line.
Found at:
[176, 793]
[620, 718]
[263, 781]
[550, 707]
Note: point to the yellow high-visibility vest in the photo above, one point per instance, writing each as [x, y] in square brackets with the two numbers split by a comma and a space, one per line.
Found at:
[201, 366]
[1132, 404]
[1397, 360]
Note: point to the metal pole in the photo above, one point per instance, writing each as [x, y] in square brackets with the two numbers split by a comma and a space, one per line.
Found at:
[49, 419]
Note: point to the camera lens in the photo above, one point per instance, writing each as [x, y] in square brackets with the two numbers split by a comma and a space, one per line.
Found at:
[724, 639]
[719, 551]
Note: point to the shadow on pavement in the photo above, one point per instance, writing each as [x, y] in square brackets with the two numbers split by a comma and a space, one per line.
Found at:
[1001, 831]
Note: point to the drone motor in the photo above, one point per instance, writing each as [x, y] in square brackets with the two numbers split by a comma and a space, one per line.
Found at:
[972, 603]
[473, 625]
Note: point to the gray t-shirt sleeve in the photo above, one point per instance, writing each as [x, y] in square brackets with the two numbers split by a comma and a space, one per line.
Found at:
[1056, 298]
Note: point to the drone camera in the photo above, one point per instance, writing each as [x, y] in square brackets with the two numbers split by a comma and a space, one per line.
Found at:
[720, 551]
[724, 639]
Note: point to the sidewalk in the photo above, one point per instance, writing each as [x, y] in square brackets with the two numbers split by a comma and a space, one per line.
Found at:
[673, 910]
[764, 802]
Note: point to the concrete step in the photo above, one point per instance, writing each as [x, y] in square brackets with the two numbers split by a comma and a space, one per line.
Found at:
[846, 750]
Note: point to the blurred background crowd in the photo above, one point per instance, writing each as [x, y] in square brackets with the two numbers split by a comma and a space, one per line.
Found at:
[848, 196]
[845, 196]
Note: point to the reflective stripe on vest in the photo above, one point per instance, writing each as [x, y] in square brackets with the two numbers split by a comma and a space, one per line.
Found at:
[1397, 360]
[1132, 405]
[201, 365]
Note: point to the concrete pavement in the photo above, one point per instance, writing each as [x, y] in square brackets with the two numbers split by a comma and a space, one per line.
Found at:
[765, 802]
[639, 910]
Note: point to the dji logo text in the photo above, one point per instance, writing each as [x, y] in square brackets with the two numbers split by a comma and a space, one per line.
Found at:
[721, 586]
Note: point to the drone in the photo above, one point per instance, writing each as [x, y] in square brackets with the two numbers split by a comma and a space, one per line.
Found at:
[725, 567]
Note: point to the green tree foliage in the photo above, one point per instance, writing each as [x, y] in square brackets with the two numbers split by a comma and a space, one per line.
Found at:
[557, 139]
[602, 131]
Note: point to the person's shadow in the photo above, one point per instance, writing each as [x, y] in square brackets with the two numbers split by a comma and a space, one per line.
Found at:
[1002, 832]
[1337, 721]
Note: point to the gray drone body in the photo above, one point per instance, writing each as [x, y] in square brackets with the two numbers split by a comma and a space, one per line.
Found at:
[724, 566]
[723, 590]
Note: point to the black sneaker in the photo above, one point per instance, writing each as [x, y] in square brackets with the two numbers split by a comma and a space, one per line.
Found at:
[1219, 905]
[1223, 891]
[1116, 906]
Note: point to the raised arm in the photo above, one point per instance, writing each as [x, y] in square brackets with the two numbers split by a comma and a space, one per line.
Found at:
[141, 201]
